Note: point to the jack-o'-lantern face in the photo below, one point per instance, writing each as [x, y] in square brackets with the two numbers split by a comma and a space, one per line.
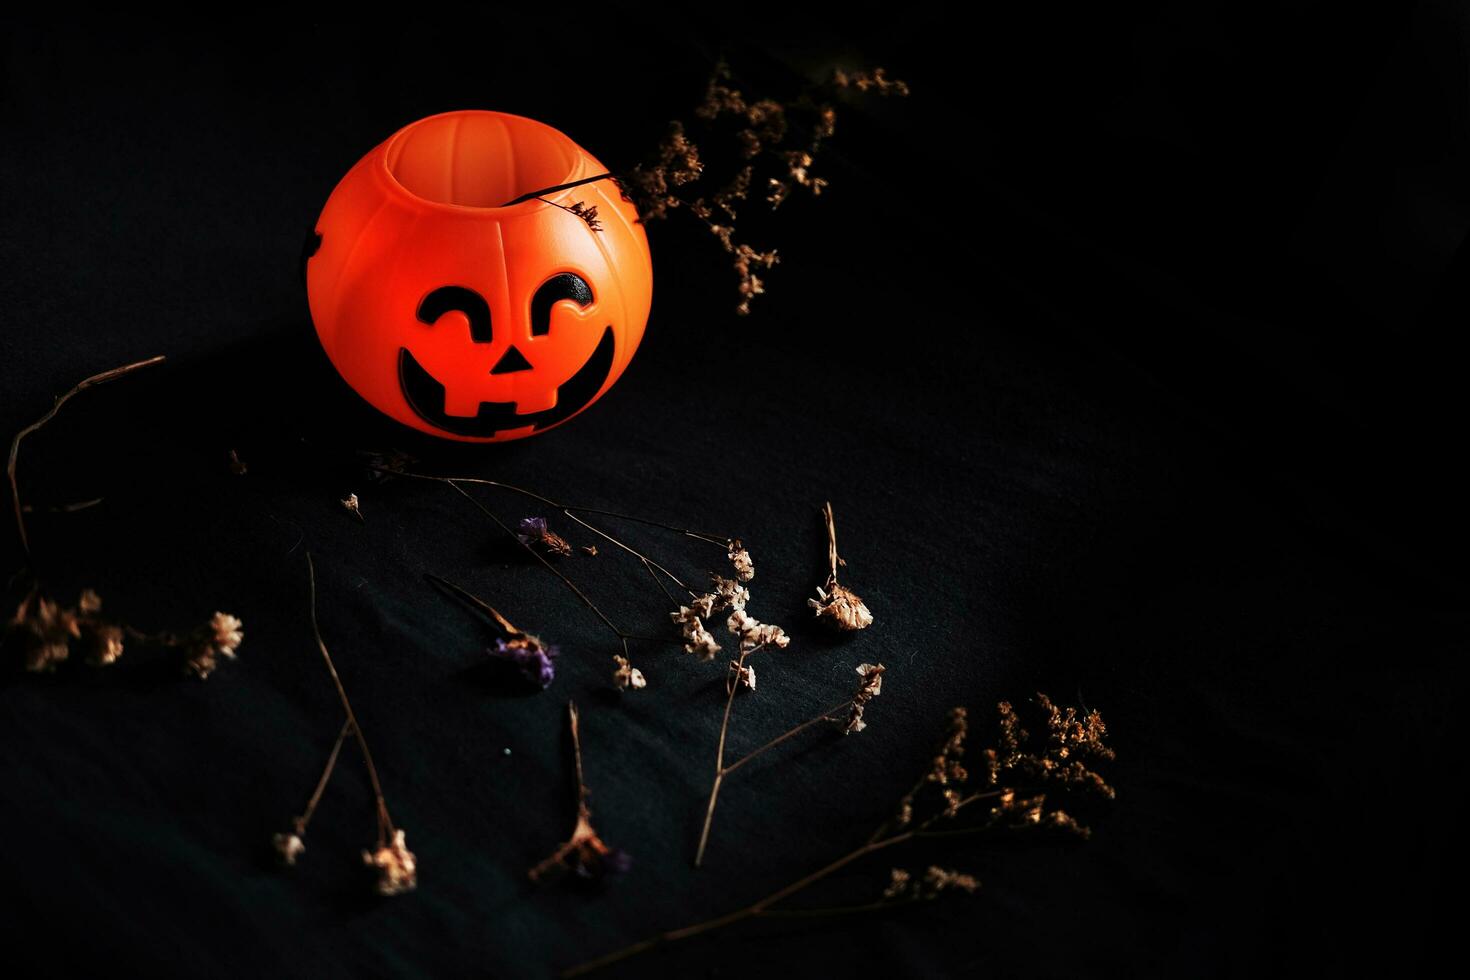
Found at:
[462, 314]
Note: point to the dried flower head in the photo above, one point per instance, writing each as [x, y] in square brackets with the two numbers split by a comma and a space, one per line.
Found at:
[740, 558]
[841, 608]
[740, 676]
[288, 848]
[870, 685]
[41, 630]
[102, 643]
[729, 594]
[353, 506]
[836, 604]
[584, 852]
[395, 864]
[534, 534]
[220, 637]
[754, 633]
[874, 80]
[697, 639]
[529, 655]
[627, 676]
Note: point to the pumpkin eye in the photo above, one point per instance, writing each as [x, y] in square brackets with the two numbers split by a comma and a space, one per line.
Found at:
[465, 301]
[568, 285]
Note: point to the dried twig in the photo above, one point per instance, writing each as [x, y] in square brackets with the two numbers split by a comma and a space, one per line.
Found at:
[395, 864]
[848, 714]
[92, 382]
[1022, 774]
[770, 145]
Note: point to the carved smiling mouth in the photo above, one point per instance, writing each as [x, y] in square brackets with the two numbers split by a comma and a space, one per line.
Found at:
[426, 396]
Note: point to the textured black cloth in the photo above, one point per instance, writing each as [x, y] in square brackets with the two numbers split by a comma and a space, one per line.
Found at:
[1149, 401]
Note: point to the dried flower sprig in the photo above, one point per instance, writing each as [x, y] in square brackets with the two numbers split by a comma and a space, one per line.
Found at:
[42, 632]
[774, 146]
[394, 865]
[528, 653]
[534, 533]
[657, 571]
[290, 846]
[848, 715]
[584, 852]
[836, 605]
[1022, 774]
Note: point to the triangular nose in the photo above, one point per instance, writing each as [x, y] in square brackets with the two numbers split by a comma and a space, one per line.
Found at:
[513, 360]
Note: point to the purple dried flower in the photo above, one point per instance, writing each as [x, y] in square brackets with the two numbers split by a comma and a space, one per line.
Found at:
[594, 861]
[530, 656]
[534, 533]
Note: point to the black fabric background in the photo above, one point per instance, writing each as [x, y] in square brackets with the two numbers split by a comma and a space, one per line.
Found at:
[1125, 350]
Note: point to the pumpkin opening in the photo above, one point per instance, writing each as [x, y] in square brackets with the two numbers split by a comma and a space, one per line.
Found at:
[479, 159]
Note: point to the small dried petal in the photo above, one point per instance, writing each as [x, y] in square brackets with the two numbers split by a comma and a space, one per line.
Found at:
[102, 643]
[228, 633]
[740, 558]
[288, 848]
[740, 676]
[899, 884]
[351, 504]
[937, 880]
[396, 866]
[627, 676]
[703, 645]
[872, 680]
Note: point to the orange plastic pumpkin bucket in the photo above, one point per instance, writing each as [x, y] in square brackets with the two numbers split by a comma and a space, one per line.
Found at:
[457, 305]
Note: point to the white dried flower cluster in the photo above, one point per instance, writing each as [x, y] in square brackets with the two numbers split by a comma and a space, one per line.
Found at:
[697, 640]
[220, 637]
[740, 558]
[754, 633]
[903, 886]
[870, 685]
[726, 594]
[740, 676]
[396, 866]
[626, 676]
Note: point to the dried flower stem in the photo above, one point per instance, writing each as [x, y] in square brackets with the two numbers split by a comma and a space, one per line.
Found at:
[1059, 759]
[571, 512]
[92, 382]
[385, 822]
[763, 906]
[722, 770]
[591, 854]
[321, 784]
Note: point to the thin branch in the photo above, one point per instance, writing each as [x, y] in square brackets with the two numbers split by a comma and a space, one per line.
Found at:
[750, 911]
[385, 822]
[827, 715]
[92, 382]
[321, 784]
[542, 559]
